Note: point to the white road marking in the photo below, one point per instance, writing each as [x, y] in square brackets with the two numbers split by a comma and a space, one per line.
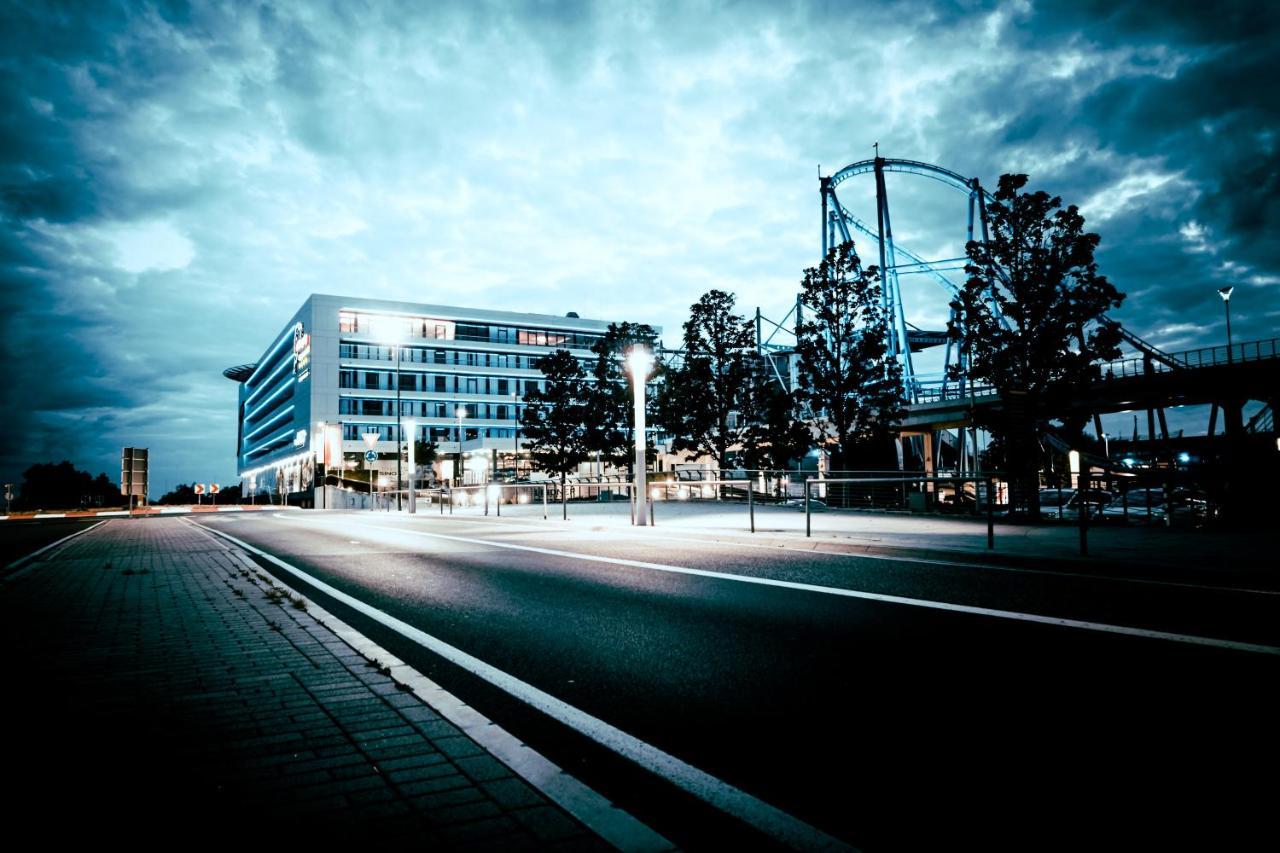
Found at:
[1102, 627]
[18, 562]
[929, 561]
[610, 822]
[768, 819]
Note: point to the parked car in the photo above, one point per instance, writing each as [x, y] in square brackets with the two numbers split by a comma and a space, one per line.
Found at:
[1138, 501]
[1097, 500]
[1054, 501]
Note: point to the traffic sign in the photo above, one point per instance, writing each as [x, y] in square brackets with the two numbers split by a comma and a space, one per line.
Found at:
[214, 488]
[199, 488]
[371, 439]
[370, 456]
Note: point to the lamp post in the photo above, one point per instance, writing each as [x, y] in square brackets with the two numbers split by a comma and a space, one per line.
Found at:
[640, 360]
[461, 411]
[1225, 293]
[1106, 446]
[391, 330]
[515, 444]
[413, 468]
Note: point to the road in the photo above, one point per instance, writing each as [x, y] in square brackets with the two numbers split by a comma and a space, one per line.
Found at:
[889, 703]
[18, 538]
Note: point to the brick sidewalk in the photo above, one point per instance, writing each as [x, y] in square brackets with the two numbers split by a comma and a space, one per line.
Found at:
[160, 690]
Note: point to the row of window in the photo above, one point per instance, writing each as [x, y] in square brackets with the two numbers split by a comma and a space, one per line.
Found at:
[372, 380]
[430, 328]
[421, 409]
[420, 355]
[356, 432]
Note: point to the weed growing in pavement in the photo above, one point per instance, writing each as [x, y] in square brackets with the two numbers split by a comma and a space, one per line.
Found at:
[239, 593]
[298, 603]
[274, 626]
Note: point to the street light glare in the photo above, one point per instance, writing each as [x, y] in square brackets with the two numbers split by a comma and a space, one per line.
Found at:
[640, 361]
[388, 330]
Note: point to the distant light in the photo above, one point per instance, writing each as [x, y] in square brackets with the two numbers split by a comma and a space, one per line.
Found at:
[1184, 457]
[495, 492]
[1130, 461]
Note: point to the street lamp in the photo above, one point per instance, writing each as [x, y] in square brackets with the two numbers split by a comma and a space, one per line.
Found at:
[391, 330]
[515, 445]
[461, 412]
[640, 361]
[1106, 447]
[1225, 293]
[413, 468]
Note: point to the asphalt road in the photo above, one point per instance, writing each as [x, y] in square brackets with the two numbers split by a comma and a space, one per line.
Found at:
[18, 538]
[889, 724]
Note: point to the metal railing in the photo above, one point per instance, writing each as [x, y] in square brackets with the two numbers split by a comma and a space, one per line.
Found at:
[1261, 350]
[982, 497]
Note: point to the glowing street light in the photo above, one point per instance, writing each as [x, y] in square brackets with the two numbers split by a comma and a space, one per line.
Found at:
[461, 413]
[1225, 293]
[391, 330]
[640, 362]
[413, 467]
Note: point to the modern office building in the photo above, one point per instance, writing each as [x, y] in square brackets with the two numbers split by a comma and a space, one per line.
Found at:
[325, 390]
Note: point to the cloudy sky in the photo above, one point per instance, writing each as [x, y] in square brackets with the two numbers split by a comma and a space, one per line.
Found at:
[175, 178]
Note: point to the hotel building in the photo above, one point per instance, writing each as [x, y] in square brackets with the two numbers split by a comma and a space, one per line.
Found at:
[325, 390]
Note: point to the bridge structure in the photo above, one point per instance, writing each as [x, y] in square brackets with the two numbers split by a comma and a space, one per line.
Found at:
[943, 407]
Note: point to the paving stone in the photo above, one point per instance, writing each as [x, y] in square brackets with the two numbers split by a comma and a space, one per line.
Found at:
[182, 693]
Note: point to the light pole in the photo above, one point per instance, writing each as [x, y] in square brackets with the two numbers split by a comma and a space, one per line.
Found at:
[413, 468]
[515, 444]
[458, 473]
[1225, 293]
[640, 360]
[1106, 446]
[391, 330]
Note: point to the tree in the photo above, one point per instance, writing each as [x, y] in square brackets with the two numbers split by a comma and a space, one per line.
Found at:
[775, 434]
[1028, 321]
[424, 453]
[613, 431]
[696, 400]
[555, 420]
[63, 486]
[846, 375]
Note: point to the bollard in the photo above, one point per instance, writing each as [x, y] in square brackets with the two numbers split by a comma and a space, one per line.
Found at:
[1084, 518]
[485, 489]
[808, 527]
[991, 514]
[451, 500]
[498, 505]
[544, 502]
[751, 505]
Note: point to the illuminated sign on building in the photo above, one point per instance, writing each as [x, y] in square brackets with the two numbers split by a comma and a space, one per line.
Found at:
[301, 352]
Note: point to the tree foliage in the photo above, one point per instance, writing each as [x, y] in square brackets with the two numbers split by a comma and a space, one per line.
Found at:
[63, 486]
[1036, 329]
[1028, 320]
[555, 421]
[847, 377]
[613, 431]
[775, 434]
[696, 399]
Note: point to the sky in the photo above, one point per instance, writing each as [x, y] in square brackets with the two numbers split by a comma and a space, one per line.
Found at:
[176, 178]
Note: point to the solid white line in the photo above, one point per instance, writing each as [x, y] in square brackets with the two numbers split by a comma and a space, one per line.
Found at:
[50, 515]
[18, 562]
[768, 819]
[1102, 627]
[929, 561]
[613, 824]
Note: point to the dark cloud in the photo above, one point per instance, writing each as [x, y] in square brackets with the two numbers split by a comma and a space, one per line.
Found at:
[176, 177]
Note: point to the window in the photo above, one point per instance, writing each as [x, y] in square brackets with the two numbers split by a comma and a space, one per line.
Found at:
[502, 387]
[348, 321]
[440, 383]
[408, 382]
[441, 355]
[501, 414]
[371, 407]
[471, 386]
[371, 380]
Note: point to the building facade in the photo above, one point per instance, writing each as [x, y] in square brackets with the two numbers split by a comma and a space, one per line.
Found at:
[325, 391]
